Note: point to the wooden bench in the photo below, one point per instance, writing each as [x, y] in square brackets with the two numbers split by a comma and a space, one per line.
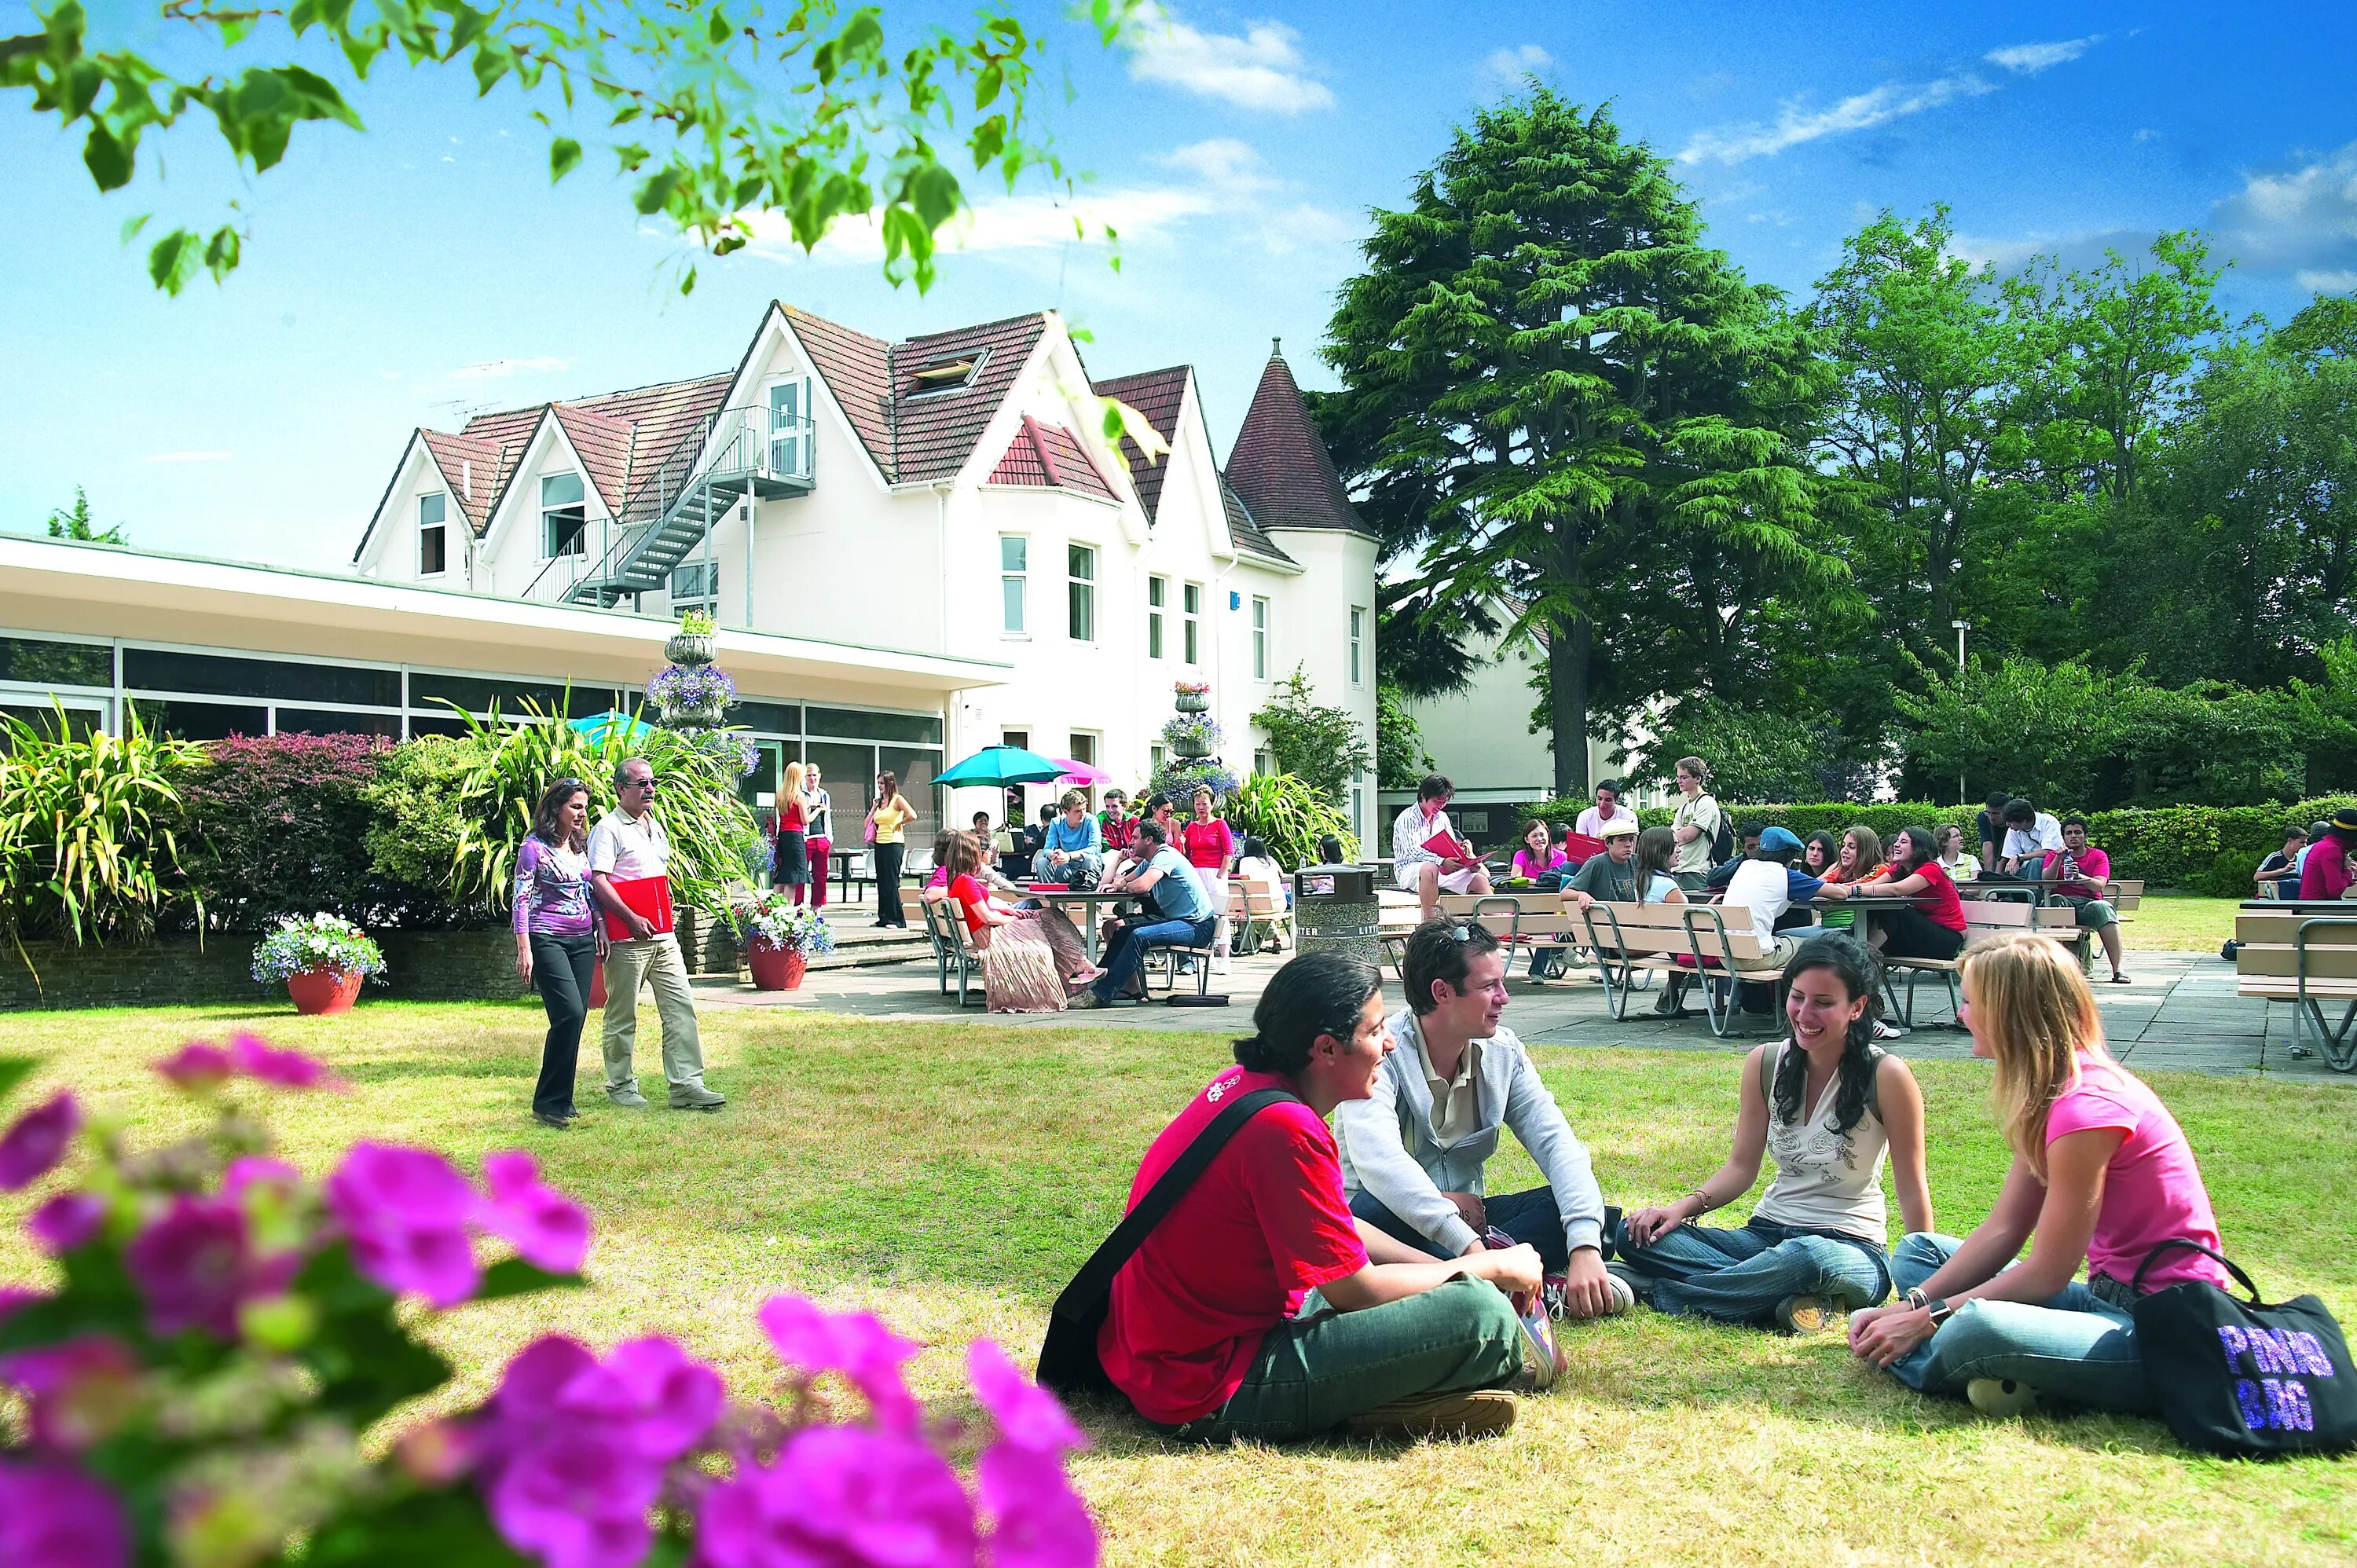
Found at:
[1628, 939]
[945, 926]
[2305, 956]
[1253, 909]
[1984, 917]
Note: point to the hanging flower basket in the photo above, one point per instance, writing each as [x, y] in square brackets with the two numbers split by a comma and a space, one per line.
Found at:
[690, 647]
[1193, 701]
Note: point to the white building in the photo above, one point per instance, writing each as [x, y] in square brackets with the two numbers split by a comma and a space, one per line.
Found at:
[913, 550]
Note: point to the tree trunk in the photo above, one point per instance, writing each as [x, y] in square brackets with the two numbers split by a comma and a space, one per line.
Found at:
[1569, 645]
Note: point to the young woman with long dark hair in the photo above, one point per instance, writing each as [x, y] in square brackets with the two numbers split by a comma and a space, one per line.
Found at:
[888, 816]
[556, 937]
[1828, 1105]
[1930, 923]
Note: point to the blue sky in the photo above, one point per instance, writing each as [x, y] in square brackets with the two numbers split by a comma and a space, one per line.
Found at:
[402, 276]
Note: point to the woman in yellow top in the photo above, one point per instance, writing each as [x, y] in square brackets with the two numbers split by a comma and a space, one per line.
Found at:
[888, 824]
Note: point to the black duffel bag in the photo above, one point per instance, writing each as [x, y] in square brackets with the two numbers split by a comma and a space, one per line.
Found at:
[2245, 1378]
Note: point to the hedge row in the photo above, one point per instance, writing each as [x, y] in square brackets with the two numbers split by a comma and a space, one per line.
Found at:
[2208, 849]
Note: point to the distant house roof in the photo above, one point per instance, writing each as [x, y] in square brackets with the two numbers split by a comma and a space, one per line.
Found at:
[1158, 395]
[1047, 456]
[1280, 464]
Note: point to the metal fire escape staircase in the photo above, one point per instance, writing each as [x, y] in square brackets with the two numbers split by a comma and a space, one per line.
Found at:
[729, 454]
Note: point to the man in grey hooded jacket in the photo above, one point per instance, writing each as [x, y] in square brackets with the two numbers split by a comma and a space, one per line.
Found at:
[1412, 1153]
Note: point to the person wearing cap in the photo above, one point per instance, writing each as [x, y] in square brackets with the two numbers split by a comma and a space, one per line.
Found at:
[1612, 878]
[2325, 874]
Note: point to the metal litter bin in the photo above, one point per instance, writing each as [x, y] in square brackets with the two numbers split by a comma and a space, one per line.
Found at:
[1335, 910]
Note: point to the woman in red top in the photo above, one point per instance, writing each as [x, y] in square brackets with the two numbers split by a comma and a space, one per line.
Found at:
[1931, 924]
[1022, 968]
[1210, 847]
[1207, 1333]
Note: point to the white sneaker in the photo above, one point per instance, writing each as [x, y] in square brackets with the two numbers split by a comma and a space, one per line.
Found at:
[1219, 966]
[1883, 1031]
[2000, 1396]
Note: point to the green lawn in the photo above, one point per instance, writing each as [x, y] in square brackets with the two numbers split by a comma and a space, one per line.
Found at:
[953, 1176]
[2181, 922]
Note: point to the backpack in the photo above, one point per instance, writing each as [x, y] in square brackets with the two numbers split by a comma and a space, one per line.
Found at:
[1722, 840]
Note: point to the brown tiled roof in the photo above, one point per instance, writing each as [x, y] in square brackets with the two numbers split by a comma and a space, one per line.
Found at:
[934, 433]
[1158, 395]
[1243, 529]
[857, 369]
[1050, 456]
[604, 444]
[471, 469]
[1280, 466]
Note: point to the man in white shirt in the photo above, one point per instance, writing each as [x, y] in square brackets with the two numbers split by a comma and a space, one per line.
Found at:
[2030, 835]
[1607, 809]
[1421, 871]
[629, 845]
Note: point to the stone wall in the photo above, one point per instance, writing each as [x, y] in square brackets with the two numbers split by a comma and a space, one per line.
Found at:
[423, 966]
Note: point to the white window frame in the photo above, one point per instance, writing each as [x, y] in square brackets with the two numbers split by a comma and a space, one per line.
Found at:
[1190, 615]
[1017, 579]
[1157, 601]
[1264, 761]
[1087, 746]
[546, 553]
[1358, 645]
[439, 523]
[1080, 590]
[1260, 637]
[1155, 755]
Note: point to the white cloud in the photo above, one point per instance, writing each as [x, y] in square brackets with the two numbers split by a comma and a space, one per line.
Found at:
[2028, 59]
[1796, 125]
[2341, 282]
[2079, 250]
[203, 457]
[2301, 222]
[1260, 69]
[1516, 63]
[501, 369]
[2146, 134]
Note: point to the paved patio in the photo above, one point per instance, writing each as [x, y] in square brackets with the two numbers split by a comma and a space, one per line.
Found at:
[2179, 1013]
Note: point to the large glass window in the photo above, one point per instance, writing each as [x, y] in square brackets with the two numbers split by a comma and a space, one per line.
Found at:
[199, 721]
[302, 680]
[38, 661]
[696, 585]
[1080, 592]
[49, 720]
[432, 536]
[476, 695]
[1014, 579]
[1158, 595]
[768, 718]
[1260, 638]
[1191, 603]
[864, 724]
[564, 520]
[312, 721]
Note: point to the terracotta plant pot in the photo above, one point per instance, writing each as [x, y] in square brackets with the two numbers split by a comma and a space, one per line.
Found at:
[775, 968]
[324, 990]
[597, 985]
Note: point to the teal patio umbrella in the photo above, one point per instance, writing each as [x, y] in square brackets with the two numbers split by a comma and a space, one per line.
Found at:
[1002, 766]
[599, 727]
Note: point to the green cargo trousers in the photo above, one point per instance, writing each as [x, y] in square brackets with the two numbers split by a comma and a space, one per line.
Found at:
[628, 965]
[1314, 1371]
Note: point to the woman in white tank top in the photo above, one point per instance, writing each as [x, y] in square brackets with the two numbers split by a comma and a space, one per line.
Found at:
[1828, 1105]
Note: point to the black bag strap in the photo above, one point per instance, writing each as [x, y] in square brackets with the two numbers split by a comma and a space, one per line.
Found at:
[1095, 1277]
[2223, 1262]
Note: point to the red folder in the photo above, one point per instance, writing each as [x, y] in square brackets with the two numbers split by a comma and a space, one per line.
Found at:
[1581, 848]
[649, 898]
[1451, 849]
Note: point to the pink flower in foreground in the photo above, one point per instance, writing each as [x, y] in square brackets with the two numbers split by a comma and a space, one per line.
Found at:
[1036, 1519]
[406, 1211]
[288, 1069]
[257, 1170]
[845, 1496]
[577, 1498]
[79, 1389]
[13, 1296]
[548, 1229]
[33, 1147]
[855, 1343]
[196, 1066]
[192, 1267]
[651, 1392]
[67, 1221]
[1028, 1416]
[53, 1515]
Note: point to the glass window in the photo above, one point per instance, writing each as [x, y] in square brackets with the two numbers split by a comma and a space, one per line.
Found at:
[694, 584]
[861, 723]
[312, 721]
[1018, 738]
[1260, 638]
[767, 718]
[1084, 748]
[39, 662]
[79, 722]
[1080, 592]
[431, 536]
[563, 521]
[199, 721]
[1191, 602]
[1014, 570]
[477, 695]
[1155, 755]
[1157, 594]
[160, 670]
[1263, 762]
[1358, 646]
[1358, 813]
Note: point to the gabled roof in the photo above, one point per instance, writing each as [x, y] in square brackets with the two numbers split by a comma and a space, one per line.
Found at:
[1280, 464]
[604, 444]
[1047, 456]
[1244, 529]
[934, 431]
[1158, 395]
[858, 370]
[471, 469]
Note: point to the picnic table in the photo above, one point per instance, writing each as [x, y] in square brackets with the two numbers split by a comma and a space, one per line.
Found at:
[1092, 903]
[843, 859]
[2303, 951]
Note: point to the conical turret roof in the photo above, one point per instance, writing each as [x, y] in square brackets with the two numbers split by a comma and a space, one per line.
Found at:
[1279, 465]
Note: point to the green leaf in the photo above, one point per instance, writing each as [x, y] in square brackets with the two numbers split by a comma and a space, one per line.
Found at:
[933, 194]
[655, 191]
[514, 1276]
[564, 154]
[108, 160]
[718, 29]
[169, 260]
[132, 225]
[13, 1069]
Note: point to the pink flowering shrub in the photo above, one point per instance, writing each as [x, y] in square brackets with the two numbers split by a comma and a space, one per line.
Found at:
[223, 1332]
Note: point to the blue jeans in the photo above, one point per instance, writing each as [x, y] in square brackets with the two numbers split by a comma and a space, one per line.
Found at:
[1542, 956]
[2076, 1345]
[1738, 1276]
[1128, 950]
[1529, 1216]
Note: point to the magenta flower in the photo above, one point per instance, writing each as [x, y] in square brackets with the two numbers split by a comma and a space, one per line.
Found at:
[53, 1515]
[576, 1497]
[80, 1389]
[855, 1343]
[841, 1496]
[1036, 1519]
[196, 1066]
[1028, 1416]
[287, 1069]
[548, 1229]
[67, 1221]
[535, 1380]
[406, 1211]
[649, 1390]
[37, 1141]
[257, 1170]
[192, 1266]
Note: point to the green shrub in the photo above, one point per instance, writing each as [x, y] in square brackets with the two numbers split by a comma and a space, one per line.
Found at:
[90, 832]
[1289, 816]
[2232, 875]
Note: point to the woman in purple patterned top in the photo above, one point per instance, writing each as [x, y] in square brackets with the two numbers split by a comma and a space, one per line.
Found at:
[556, 937]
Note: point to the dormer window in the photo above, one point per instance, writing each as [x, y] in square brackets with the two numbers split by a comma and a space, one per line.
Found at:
[950, 373]
[433, 535]
[563, 521]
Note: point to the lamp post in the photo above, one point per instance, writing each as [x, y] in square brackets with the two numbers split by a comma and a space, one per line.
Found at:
[1962, 627]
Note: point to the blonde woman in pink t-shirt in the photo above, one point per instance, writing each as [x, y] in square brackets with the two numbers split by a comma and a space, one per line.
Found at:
[2100, 1174]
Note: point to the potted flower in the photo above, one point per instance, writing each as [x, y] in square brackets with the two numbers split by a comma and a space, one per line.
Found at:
[1193, 696]
[321, 958]
[779, 936]
[691, 696]
[693, 643]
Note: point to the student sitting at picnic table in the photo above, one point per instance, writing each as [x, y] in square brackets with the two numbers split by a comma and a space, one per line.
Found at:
[1954, 860]
[1619, 877]
[1258, 871]
[1818, 853]
[2030, 834]
[2279, 874]
[1115, 825]
[2100, 1174]
[1072, 853]
[1721, 874]
[1857, 858]
[1261, 1308]
[1421, 871]
[1607, 809]
[1179, 913]
[2079, 870]
[1764, 887]
[1539, 853]
[1931, 924]
[2327, 873]
[1988, 829]
[1022, 968]
[1826, 1103]
[1414, 1151]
